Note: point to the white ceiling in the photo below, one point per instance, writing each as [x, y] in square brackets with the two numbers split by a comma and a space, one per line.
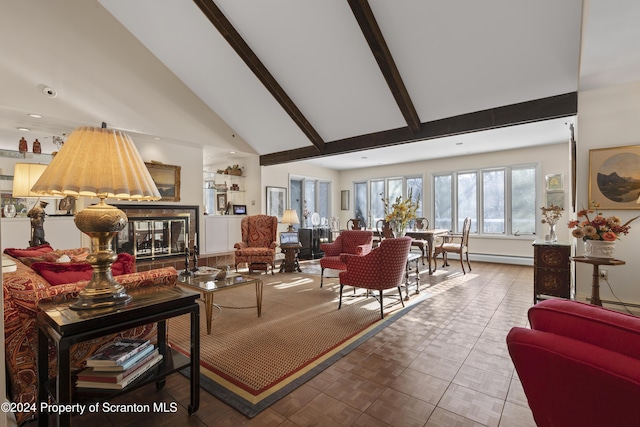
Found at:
[172, 75]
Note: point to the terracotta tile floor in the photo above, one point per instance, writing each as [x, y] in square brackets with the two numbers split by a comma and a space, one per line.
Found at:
[445, 363]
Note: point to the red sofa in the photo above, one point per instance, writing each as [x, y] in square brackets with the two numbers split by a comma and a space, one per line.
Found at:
[579, 364]
[24, 289]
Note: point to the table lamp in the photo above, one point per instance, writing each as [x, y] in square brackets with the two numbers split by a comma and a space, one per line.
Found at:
[99, 162]
[290, 217]
[24, 176]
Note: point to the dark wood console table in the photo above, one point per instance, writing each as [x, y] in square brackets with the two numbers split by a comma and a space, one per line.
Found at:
[595, 282]
[65, 327]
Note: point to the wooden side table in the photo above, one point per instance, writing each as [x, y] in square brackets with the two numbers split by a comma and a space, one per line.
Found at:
[595, 283]
[290, 262]
[63, 326]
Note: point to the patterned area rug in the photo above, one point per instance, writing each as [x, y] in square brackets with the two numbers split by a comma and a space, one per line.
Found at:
[250, 362]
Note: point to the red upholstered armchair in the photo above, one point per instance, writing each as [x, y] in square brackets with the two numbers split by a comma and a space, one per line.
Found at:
[258, 241]
[382, 268]
[579, 364]
[356, 242]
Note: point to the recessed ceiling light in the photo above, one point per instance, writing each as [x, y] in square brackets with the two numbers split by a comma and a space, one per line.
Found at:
[364, 157]
[458, 143]
[35, 116]
[157, 138]
[232, 152]
[24, 129]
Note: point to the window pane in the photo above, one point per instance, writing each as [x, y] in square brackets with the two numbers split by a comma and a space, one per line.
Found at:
[309, 200]
[467, 196]
[414, 187]
[377, 207]
[493, 201]
[360, 189]
[442, 202]
[523, 201]
[296, 199]
[395, 189]
[324, 200]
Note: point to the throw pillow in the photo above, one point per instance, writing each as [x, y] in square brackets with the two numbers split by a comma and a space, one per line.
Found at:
[33, 251]
[60, 273]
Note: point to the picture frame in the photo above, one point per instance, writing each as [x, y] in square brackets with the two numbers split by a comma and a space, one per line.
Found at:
[167, 179]
[276, 201]
[555, 198]
[221, 202]
[614, 177]
[555, 182]
[344, 200]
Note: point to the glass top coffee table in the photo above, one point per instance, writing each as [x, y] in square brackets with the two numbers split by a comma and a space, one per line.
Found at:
[206, 283]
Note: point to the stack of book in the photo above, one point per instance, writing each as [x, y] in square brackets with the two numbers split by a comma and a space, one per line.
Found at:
[118, 365]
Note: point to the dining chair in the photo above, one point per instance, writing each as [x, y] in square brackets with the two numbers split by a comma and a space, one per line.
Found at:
[354, 224]
[456, 243]
[420, 224]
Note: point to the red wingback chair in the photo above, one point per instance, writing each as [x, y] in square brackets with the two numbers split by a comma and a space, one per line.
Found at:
[579, 364]
[382, 268]
[355, 242]
[258, 241]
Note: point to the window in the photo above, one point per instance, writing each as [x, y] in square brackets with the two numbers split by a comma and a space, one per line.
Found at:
[369, 194]
[311, 194]
[499, 201]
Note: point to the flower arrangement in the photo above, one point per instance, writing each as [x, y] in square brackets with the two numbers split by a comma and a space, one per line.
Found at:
[400, 212]
[599, 228]
[551, 215]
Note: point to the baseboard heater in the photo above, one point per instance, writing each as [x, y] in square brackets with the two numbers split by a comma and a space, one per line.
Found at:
[499, 259]
[620, 303]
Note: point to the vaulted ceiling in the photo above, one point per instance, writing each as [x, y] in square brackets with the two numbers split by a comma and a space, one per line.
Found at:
[320, 80]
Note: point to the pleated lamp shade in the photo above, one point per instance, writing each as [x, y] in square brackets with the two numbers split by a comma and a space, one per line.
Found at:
[98, 162]
[24, 176]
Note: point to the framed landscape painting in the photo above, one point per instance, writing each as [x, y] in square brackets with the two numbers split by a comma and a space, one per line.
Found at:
[614, 177]
[167, 179]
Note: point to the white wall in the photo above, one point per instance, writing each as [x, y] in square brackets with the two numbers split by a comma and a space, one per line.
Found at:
[552, 159]
[608, 117]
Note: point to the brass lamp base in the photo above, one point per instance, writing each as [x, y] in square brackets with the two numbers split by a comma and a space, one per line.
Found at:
[101, 222]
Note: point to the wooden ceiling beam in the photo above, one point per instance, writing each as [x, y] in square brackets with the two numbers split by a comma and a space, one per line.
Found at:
[217, 18]
[371, 31]
[510, 115]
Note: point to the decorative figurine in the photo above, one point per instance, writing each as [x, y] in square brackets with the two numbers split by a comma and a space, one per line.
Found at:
[23, 147]
[37, 215]
[36, 147]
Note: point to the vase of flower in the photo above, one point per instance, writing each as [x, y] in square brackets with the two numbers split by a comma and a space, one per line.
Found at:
[551, 215]
[598, 232]
[552, 233]
[399, 213]
[600, 249]
[399, 229]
